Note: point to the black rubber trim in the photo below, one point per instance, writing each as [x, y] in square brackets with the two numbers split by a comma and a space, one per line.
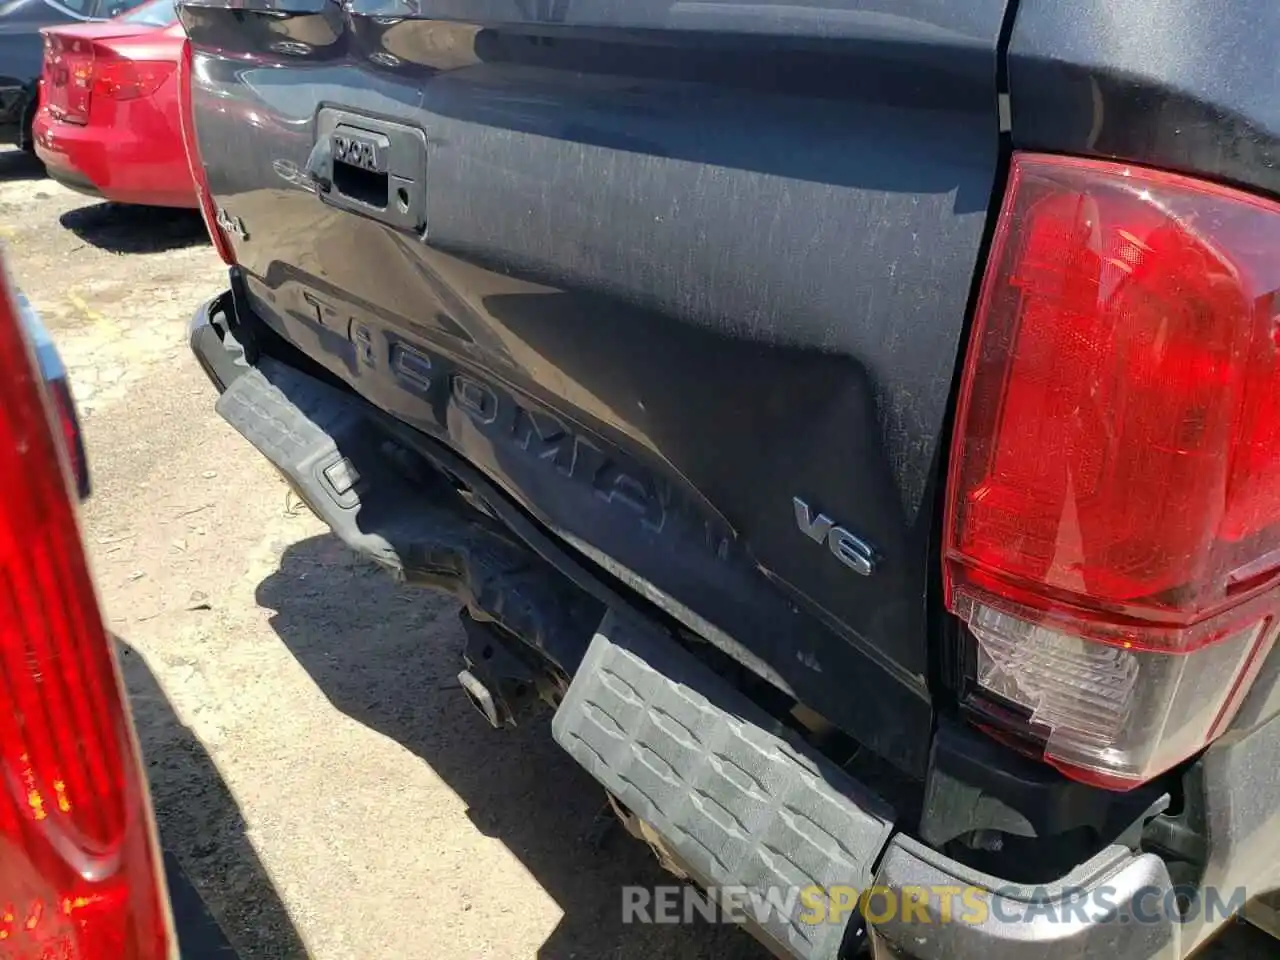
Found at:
[199, 936]
[73, 179]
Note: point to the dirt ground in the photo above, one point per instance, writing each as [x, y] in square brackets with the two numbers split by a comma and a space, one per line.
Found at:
[315, 769]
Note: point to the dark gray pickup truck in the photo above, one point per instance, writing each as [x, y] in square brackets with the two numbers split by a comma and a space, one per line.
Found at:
[858, 419]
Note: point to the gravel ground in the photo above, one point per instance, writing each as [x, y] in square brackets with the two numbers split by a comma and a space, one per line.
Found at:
[314, 767]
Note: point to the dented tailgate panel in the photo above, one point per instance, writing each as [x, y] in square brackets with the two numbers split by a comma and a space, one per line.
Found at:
[667, 272]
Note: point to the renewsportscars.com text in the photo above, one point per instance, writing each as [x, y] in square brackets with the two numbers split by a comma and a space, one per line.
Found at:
[813, 905]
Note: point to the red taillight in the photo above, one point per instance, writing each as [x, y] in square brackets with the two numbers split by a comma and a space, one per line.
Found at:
[67, 81]
[186, 77]
[76, 70]
[79, 875]
[1113, 531]
[130, 79]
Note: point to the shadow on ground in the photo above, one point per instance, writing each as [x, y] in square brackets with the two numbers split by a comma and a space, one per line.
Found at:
[20, 165]
[125, 228]
[388, 665]
[204, 837]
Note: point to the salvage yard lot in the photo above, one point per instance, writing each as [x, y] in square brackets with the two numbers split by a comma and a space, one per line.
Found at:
[314, 767]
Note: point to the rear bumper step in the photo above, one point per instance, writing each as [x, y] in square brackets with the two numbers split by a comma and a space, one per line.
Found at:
[742, 805]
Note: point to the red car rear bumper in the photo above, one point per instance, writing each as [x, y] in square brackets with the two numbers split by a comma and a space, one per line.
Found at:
[114, 163]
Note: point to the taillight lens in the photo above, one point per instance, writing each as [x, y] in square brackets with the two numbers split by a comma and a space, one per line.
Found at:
[79, 875]
[130, 79]
[1113, 530]
[67, 80]
[186, 78]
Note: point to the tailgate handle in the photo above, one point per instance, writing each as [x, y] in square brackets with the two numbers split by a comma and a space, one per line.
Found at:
[372, 167]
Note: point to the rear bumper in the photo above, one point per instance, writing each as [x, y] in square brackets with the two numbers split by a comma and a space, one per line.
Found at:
[916, 903]
[111, 164]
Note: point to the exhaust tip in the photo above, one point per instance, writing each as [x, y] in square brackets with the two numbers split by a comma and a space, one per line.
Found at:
[480, 698]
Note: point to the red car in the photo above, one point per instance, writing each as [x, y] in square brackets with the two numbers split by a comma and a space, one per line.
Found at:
[108, 119]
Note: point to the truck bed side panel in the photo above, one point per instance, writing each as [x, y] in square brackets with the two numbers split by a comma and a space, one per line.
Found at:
[1190, 85]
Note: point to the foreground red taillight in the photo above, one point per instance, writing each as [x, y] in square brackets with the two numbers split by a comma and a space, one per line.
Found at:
[79, 875]
[199, 175]
[1113, 530]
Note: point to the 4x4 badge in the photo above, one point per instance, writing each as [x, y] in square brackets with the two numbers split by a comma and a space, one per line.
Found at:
[230, 224]
[854, 552]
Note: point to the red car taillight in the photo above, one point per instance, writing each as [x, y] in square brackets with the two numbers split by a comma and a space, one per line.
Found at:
[198, 173]
[1113, 514]
[76, 70]
[121, 79]
[79, 873]
[67, 80]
